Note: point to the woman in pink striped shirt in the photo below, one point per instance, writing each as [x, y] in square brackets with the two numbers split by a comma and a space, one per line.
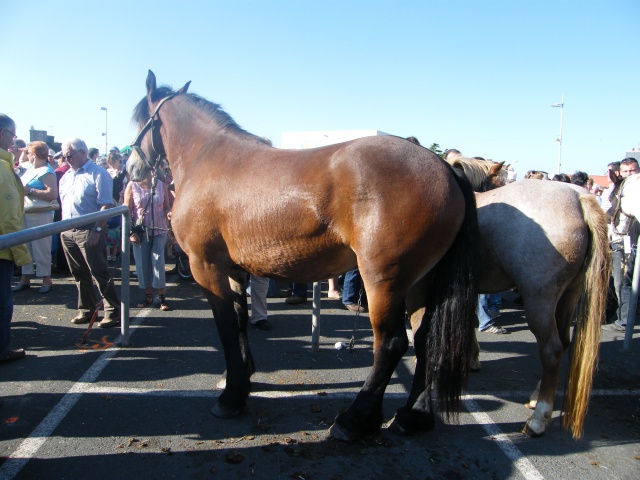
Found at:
[149, 214]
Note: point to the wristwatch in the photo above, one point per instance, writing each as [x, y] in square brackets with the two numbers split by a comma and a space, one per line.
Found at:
[98, 229]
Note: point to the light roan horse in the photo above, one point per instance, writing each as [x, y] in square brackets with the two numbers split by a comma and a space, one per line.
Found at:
[385, 205]
[549, 240]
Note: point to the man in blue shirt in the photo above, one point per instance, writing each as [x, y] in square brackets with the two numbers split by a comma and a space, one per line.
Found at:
[87, 188]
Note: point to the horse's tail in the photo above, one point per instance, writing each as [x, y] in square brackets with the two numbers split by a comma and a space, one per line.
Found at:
[590, 312]
[451, 306]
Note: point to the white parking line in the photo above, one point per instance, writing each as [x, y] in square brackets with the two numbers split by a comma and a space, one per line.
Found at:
[30, 446]
[503, 441]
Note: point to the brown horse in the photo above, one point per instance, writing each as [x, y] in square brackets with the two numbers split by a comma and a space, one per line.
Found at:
[385, 205]
[549, 240]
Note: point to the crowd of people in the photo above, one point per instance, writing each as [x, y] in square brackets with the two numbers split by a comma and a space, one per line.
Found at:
[41, 186]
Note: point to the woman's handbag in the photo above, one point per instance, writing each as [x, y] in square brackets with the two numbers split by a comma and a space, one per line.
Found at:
[36, 205]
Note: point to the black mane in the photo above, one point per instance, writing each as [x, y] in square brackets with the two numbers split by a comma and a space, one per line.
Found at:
[222, 118]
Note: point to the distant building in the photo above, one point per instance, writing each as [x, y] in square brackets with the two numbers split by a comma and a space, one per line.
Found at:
[320, 138]
[634, 153]
[42, 136]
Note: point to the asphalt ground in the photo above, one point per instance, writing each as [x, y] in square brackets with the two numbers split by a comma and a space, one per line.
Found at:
[143, 411]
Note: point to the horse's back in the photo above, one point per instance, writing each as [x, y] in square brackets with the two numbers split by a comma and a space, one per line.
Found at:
[373, 197]
[533, 232]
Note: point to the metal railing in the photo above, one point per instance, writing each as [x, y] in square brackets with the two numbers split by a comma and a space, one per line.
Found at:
[29, 234]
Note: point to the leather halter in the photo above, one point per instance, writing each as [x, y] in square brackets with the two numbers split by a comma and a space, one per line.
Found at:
[152, 124]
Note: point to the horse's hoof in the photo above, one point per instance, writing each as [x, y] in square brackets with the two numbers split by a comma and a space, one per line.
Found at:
[222, 384]
[221, 411]
[340, 433]
[407, 423]
[398, 429]
[474, 365]
[531, 404]
[534, 428]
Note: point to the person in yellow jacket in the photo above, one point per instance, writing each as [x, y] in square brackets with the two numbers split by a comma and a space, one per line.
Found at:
[11, 216]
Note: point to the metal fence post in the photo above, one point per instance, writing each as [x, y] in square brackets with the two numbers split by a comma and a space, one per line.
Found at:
[125, 246]
[315, 318]
[633, 303]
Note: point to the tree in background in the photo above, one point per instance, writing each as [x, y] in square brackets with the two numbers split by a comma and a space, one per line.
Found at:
[435, 148]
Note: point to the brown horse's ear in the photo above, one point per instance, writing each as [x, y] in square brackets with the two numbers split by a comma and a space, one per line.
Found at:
[185, 88]
[151, 86]
[495, 170]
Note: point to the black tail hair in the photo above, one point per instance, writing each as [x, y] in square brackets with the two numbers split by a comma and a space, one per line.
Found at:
[451, 310]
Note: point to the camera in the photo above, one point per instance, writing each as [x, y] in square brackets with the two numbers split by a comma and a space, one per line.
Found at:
[138, 229]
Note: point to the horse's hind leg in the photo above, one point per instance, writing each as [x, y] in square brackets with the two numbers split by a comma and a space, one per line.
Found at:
[417, 413]
[228, 302]
[552, 333]
[365, 415]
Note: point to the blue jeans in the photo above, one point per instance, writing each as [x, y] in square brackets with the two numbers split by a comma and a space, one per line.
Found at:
[621, 280]
[494, 300]
[6, 305]
[484, 320]
[351, 288]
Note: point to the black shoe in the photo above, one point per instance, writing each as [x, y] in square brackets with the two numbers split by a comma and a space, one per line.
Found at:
[295, 300]
[262, 325]
[13, 355]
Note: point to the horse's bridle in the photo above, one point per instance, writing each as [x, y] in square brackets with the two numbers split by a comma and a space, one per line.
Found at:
[152, 124]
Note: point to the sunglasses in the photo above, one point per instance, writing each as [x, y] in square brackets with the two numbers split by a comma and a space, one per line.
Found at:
[10, 133]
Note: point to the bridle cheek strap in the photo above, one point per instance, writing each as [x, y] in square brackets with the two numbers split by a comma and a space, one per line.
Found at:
[153, 124]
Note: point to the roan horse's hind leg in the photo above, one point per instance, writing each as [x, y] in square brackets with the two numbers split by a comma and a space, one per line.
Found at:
[552, 334]
[365, 415]
[229, 306]
[553, 340]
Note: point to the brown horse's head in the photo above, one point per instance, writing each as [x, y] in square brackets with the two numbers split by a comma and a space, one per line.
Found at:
[483, 175]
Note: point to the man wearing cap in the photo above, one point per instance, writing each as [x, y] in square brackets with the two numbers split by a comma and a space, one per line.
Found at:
[11, 215]
[87, 188]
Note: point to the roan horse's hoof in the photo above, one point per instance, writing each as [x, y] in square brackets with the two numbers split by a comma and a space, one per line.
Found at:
[534, 428]
[221, 411]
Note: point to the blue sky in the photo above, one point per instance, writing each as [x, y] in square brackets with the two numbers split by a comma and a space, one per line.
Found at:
[477, 76]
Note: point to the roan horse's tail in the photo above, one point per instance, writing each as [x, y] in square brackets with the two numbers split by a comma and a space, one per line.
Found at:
[451, 303]
[590, 312]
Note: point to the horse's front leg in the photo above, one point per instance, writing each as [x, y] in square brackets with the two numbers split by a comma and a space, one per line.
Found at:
[365, 415]
[228, 301]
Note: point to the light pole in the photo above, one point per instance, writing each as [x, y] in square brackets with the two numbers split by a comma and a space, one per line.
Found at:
[106, 130]
[559, 140]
